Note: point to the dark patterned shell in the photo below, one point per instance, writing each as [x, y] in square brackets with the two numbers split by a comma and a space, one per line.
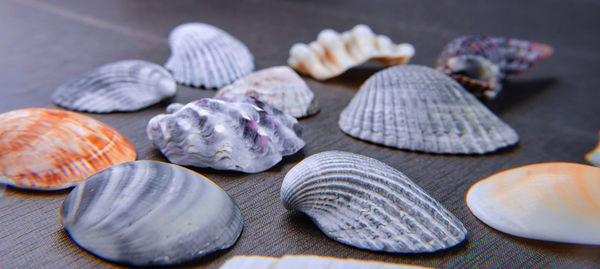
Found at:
[204, 55]
[126, 85]
[150, 213]
[480, 62]
[367, 204]
[418, 108]
[50, 149]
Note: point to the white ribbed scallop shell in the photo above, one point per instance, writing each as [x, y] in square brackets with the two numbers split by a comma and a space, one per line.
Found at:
[126, 85]
[334, 53]
[278, 86]
[418, 108]
[150, 213]
[367, 204]
[204, 55]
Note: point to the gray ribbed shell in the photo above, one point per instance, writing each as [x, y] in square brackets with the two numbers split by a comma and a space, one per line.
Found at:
[126, 85]
[367, 204]
[150, 213]
[204, 55]
[418, 108]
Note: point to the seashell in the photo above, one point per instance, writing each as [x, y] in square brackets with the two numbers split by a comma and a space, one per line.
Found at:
[307, 261]
[49, 149]
[126, 85]
[228, 133]
[364, 203]
[546, 201]
[480, 62]
[418, 108]
[150, 213]
[204, 55]
[593, 156]
[334, 53]
[279, 87]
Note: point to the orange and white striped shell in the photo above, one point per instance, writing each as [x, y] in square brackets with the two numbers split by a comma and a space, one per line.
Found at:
[49, 149]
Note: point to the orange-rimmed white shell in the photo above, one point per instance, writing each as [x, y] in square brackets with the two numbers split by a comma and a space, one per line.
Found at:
[51, 149]
[547, 201]
[593, 156]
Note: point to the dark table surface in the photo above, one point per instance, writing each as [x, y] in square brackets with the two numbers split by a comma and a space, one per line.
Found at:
[554, 108]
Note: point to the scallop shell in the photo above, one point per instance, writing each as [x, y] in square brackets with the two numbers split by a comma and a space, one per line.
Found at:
[278, 86]
[204, 55]
[334, 53]
[418, 108]
[365, 203]
[49, 149]
[593, 156]
[547, 201]
[480, 62]
[307, 261]
[126, 85]
[228, 133]
[150, 213]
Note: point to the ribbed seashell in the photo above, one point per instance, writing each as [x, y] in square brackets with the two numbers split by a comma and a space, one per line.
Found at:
[307, 261]
[204, 55]
[418, 108]
[365, 203]
[547, 201]
[126, 85]
[49, 149]
[150, 213]
[594, 156]
[278, 86]
[227, 132]
[334, 53]
[480, 62]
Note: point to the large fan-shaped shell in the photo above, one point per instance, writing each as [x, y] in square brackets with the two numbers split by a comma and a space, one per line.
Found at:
[546, 201]
[418, 108]
[228, 132]
[278, 86]
[51, 149]
[307, 261]
[480, 62]
[334, 53]
[367, 204]
[126, 85]
[150, 213]
[204, 55]
[594, 156]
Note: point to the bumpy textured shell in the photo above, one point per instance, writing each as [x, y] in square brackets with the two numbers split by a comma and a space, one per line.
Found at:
[547, 201]
[228, 133]
[307, 261]
[480, 62]
[126, 85]
[49, 149]
[594, 156]
[334, 53]
[367, 204]
[279, 87]
[150, 213]
[204, 55]
[418, 108]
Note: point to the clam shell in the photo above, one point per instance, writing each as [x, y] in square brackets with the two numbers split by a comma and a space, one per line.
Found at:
[278, 86]
[150, 213]
[204, 55]
[480, 62]
[126, 85]
[418, 108]
[307, 261]
[593, 156]
[365, 203]
[228, 133]
[547, 201]
[334, 53]
[49, 149]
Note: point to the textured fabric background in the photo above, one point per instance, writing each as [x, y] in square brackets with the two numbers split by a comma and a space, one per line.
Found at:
[554, 108]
